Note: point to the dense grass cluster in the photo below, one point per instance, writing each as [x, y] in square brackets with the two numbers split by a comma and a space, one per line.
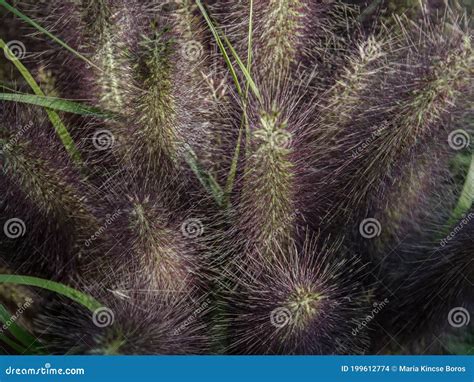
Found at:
[235, 177]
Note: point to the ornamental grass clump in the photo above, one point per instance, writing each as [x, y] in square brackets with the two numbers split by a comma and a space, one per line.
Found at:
[221, 177]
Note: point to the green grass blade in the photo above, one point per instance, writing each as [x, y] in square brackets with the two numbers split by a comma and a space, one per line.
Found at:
[34, 24]
[17, 347]
[249, 40]
[206, 179]
[21, 334]
[233, 167]
[465, 199]
[242, 67]
[56, 104]
[6, 87]
[220, 44]
[462, 162]
[88, 301]
[249, 84]
[61, 130]
[244, 70]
